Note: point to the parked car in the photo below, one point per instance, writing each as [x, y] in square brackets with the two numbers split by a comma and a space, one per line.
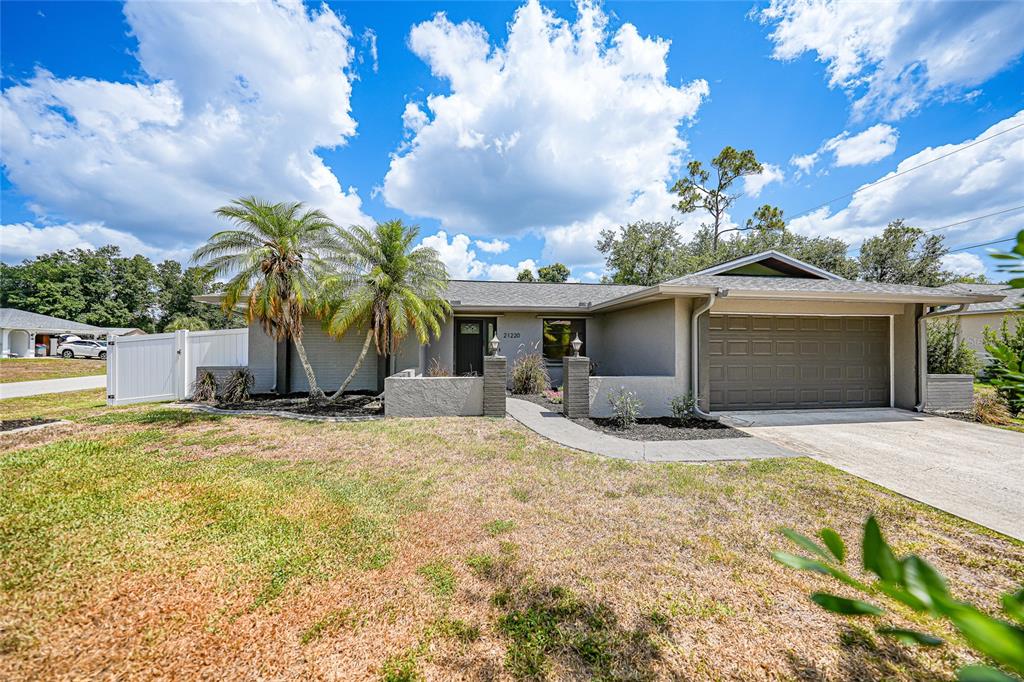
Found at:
[82, 348]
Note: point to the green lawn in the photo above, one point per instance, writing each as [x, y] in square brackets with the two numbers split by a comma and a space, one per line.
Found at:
[33, 369]
[146, 541]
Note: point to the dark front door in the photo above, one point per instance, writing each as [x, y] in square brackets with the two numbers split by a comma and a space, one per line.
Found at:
[471, 337]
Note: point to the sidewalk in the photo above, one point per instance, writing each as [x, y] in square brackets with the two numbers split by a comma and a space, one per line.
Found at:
[554, 426]
[21, 389]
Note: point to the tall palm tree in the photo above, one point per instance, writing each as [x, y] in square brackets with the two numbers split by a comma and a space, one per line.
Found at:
[275, 259]
[383, 283]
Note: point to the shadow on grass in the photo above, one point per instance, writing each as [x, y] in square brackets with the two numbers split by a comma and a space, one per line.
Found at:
[165, 416]
[866, 656]
[548, 626]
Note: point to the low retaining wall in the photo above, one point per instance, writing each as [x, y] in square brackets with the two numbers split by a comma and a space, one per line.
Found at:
[418, 396]
[655, 392]
[950, 392]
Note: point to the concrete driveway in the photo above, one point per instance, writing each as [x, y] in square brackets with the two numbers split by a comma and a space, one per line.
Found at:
[975, 472]
[20, 389]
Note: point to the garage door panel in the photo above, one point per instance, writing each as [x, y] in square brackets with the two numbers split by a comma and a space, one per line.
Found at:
[794, 362]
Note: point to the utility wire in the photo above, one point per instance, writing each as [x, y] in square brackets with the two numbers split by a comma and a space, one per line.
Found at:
[904, 172]
[974, 246]
[971, 220]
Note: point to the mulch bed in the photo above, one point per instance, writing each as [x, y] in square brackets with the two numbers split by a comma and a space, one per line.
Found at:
[540, 400]
[350, 405]
[665, 428]
[12, 424]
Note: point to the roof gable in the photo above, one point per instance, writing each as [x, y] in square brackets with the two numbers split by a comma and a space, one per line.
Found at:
[769, 264]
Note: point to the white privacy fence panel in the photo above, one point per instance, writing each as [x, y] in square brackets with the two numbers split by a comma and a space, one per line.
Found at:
[155, 367]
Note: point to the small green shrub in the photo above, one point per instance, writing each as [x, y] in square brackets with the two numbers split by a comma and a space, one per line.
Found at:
[682, 406]
[204, 390]
[947, 352]
[1006, 371]
[529, 375]
[237, 387]
[626, 408]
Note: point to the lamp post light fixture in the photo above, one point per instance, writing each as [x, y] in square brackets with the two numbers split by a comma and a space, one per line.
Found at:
[494, 344]
[576, 345]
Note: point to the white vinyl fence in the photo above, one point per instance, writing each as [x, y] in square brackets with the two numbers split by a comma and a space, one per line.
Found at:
[154, 367]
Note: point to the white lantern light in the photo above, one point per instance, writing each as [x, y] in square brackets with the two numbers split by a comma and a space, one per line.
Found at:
[576, 345]
[494, 344]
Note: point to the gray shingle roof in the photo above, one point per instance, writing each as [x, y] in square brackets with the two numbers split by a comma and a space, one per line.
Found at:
[1014, 298]
[12, 318]
[799, 284]
[464, 293]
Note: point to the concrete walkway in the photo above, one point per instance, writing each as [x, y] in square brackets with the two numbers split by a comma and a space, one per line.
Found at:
[970, 470]
[554, 426]
[20, 389]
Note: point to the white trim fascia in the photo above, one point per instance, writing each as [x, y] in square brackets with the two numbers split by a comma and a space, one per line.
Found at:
[892, 361]
[771, 253]
[840, 296]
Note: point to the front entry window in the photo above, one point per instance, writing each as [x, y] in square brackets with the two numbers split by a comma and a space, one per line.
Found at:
[558, 335]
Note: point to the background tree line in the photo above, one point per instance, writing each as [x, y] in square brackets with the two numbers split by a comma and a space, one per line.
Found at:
[105, 288]
[647, 253]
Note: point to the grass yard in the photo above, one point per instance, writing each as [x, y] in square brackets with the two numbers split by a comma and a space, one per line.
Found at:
[33, 369]
[144, 542]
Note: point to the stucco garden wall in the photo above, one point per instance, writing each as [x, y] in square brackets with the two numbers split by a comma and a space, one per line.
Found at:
[418, 396]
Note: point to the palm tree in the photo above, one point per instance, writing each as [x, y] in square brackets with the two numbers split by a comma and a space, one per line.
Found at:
[386, 285]
[275, 258]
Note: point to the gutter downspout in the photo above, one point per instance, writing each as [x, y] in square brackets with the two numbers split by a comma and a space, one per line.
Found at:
[922, 351]
[695, 355]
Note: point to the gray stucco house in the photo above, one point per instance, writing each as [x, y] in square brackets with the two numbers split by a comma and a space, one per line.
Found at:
[762, 332]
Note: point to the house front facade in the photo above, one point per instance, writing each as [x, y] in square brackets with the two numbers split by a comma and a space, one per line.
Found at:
[762, 332]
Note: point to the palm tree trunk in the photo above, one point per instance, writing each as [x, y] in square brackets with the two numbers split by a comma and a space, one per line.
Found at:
[316, 396]
[359, 363]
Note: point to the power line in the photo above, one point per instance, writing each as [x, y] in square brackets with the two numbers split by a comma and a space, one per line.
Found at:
[971, 220]
[974, 246]
[904, 172]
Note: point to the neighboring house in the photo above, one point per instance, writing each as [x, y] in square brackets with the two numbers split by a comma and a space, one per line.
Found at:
[22, 331]
[980, 315]
[762, 332]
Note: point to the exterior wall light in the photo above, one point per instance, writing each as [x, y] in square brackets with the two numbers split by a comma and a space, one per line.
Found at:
[494, 344]
[576, 345]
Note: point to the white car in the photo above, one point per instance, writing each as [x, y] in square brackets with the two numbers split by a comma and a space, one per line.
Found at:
[82, 348]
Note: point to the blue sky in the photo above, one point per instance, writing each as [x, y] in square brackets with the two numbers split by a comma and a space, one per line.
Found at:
[511, 133]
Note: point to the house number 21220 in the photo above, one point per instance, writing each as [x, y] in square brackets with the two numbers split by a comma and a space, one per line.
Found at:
[511, 335]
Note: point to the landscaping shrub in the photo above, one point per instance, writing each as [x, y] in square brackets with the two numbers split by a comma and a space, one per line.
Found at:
[947, 353]
[1006, 371]
[237, 387]
[989, 408]
[529, 376]
[204, 390]
[626, 408]
[682, 406]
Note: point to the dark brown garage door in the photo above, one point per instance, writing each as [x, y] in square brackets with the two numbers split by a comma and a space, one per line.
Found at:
[789, 362]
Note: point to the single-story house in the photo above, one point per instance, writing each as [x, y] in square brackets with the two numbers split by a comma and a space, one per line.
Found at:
[762, 332]
[21, 332]
[974, 319]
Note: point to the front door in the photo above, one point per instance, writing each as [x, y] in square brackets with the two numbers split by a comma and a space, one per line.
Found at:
[471, 337]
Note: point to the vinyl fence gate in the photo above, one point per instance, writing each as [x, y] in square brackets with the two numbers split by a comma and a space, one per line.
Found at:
[155, 367]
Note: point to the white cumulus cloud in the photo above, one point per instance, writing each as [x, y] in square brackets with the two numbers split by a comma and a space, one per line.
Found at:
[963, 263]
[493, 246]
[234, 99]
[462, 262]
[562, 126]
[975, 181]
[892, 57]
[868, 146]
[753, 184]
[19, 241]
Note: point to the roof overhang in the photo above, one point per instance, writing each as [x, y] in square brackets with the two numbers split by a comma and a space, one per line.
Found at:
[859, 296]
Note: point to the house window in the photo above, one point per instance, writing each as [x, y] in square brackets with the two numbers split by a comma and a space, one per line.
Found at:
[558, 334]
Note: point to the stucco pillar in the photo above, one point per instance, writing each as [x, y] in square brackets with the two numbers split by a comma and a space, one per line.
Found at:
[575, 387]
[495, 367]
[4, 345]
